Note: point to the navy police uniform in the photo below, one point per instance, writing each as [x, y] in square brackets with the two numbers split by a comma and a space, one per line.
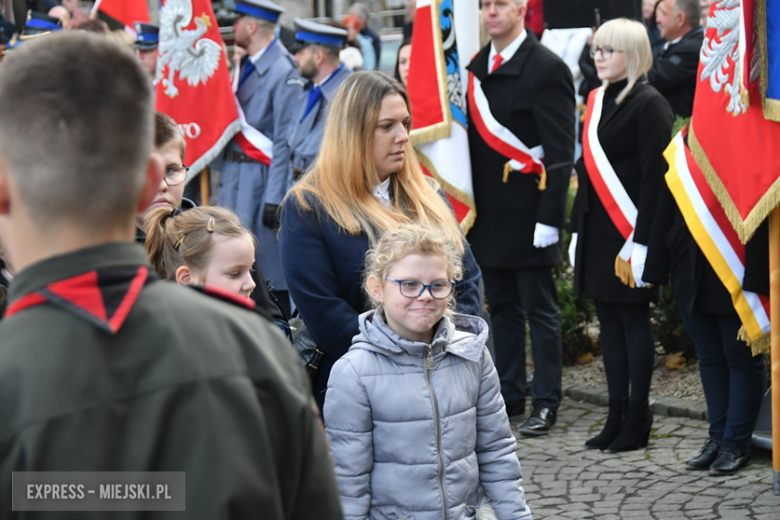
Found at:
[307, 127]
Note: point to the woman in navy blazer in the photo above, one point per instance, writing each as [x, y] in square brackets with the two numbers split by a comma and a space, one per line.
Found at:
[365, 180]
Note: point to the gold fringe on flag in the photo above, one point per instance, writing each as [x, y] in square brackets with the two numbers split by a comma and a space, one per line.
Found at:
[757, 346]
[624, 272]
[541, 185]
[744, 228]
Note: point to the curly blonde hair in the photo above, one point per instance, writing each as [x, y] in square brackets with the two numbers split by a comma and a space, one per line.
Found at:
[413, 239]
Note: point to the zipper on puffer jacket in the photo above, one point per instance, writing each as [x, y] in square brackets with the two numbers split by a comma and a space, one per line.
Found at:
[428, 368]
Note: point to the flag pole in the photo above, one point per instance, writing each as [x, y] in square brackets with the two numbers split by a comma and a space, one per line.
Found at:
[774, 306]
[205, 187]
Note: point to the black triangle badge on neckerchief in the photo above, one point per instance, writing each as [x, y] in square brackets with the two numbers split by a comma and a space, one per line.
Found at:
[103, 297]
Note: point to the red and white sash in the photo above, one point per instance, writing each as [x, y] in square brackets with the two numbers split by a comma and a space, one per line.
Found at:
[251, 140]
[501, 139]
[610, 190]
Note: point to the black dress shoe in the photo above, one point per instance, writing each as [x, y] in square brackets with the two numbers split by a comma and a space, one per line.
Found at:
[706, 456]
[515, 413]
[540, 423]
[729, 461]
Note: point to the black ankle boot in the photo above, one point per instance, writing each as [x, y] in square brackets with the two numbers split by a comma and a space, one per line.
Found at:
[635, 432]
[617, 411]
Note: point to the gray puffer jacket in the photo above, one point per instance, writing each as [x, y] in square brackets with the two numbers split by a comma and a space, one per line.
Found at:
[417, 429]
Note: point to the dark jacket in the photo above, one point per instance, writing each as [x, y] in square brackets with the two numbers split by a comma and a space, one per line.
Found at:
[697, 289]
[324, 268]
[674, 72]
[532, 95]
[187, 383]
[633, 135]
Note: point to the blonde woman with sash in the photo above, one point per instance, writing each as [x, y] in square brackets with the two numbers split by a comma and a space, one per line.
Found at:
[628, 125]
[365, 181]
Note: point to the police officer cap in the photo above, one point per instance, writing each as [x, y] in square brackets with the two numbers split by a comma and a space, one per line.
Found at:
[147, 36]
[262, 9]
[307, 33]
[38, 24]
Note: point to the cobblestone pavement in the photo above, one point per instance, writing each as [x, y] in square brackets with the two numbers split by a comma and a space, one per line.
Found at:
[563, 480]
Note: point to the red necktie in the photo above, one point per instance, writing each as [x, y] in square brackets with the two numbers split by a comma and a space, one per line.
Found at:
[497, 59]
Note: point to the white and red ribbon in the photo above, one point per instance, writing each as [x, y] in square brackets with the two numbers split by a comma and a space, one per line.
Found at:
[610, 190]
[251, 140]
[499, 137]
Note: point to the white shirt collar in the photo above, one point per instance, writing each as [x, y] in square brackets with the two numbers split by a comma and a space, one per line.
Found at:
[508, 52]
[8, 276]
[326, 78]
[260, 53]
[673, 42]
[382, 192]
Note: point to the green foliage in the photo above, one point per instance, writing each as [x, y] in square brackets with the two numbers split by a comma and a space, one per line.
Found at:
[668, 326]
[679, 122]
[575, 313]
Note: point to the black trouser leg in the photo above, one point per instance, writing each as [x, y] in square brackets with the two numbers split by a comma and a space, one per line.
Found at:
[539, 299]
[628, 349]
[734, 380]
[508, 333]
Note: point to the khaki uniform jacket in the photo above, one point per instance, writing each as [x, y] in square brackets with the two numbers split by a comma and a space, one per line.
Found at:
[187, 383]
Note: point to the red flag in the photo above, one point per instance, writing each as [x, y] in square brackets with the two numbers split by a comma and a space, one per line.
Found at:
[193, 84]
[125, 11]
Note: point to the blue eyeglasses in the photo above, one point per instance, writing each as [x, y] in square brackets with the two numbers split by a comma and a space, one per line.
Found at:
[414, 288]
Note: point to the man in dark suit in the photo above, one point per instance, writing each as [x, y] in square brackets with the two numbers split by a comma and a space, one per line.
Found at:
[528, 100]
[675, 66]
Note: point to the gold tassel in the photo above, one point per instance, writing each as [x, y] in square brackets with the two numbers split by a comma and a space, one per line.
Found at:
[758, 346]
[542, 181]
[624, 272]
[541, 185]
[507, 170]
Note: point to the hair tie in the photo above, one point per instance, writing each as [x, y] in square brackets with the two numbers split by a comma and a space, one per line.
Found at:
[178, 243]
[210, 225]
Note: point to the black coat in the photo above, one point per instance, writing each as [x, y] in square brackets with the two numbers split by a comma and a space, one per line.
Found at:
[633, 135]
[695, 285]
[532, 95]
[674, 72]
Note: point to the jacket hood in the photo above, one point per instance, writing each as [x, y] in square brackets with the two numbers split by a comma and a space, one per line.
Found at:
[459, 334]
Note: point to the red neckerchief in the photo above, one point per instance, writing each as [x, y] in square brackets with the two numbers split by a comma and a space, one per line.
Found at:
[103, 297]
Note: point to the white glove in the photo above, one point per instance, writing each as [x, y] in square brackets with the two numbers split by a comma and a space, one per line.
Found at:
[638, 257]
[573, 248]
[545, 236]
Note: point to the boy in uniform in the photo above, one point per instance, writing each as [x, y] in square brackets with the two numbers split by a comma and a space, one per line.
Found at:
[103, 367]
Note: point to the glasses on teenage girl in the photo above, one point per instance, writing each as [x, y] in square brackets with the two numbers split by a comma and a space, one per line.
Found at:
[174, 176]
[414, 289]
[606, 51]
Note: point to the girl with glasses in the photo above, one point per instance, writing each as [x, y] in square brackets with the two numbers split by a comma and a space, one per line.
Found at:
[365, 180]
[414, 411]
[628, 125]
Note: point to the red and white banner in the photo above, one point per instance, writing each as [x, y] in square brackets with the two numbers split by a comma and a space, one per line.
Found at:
[124, 11]
[193, 83]
[438, 106]
[610, 190]
[724, 178]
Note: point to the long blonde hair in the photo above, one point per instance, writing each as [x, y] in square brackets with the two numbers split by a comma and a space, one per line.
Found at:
[343, 175]
[630, 37]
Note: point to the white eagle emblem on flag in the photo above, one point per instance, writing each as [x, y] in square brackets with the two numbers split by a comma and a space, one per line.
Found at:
[721, 52]
[195, 58]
